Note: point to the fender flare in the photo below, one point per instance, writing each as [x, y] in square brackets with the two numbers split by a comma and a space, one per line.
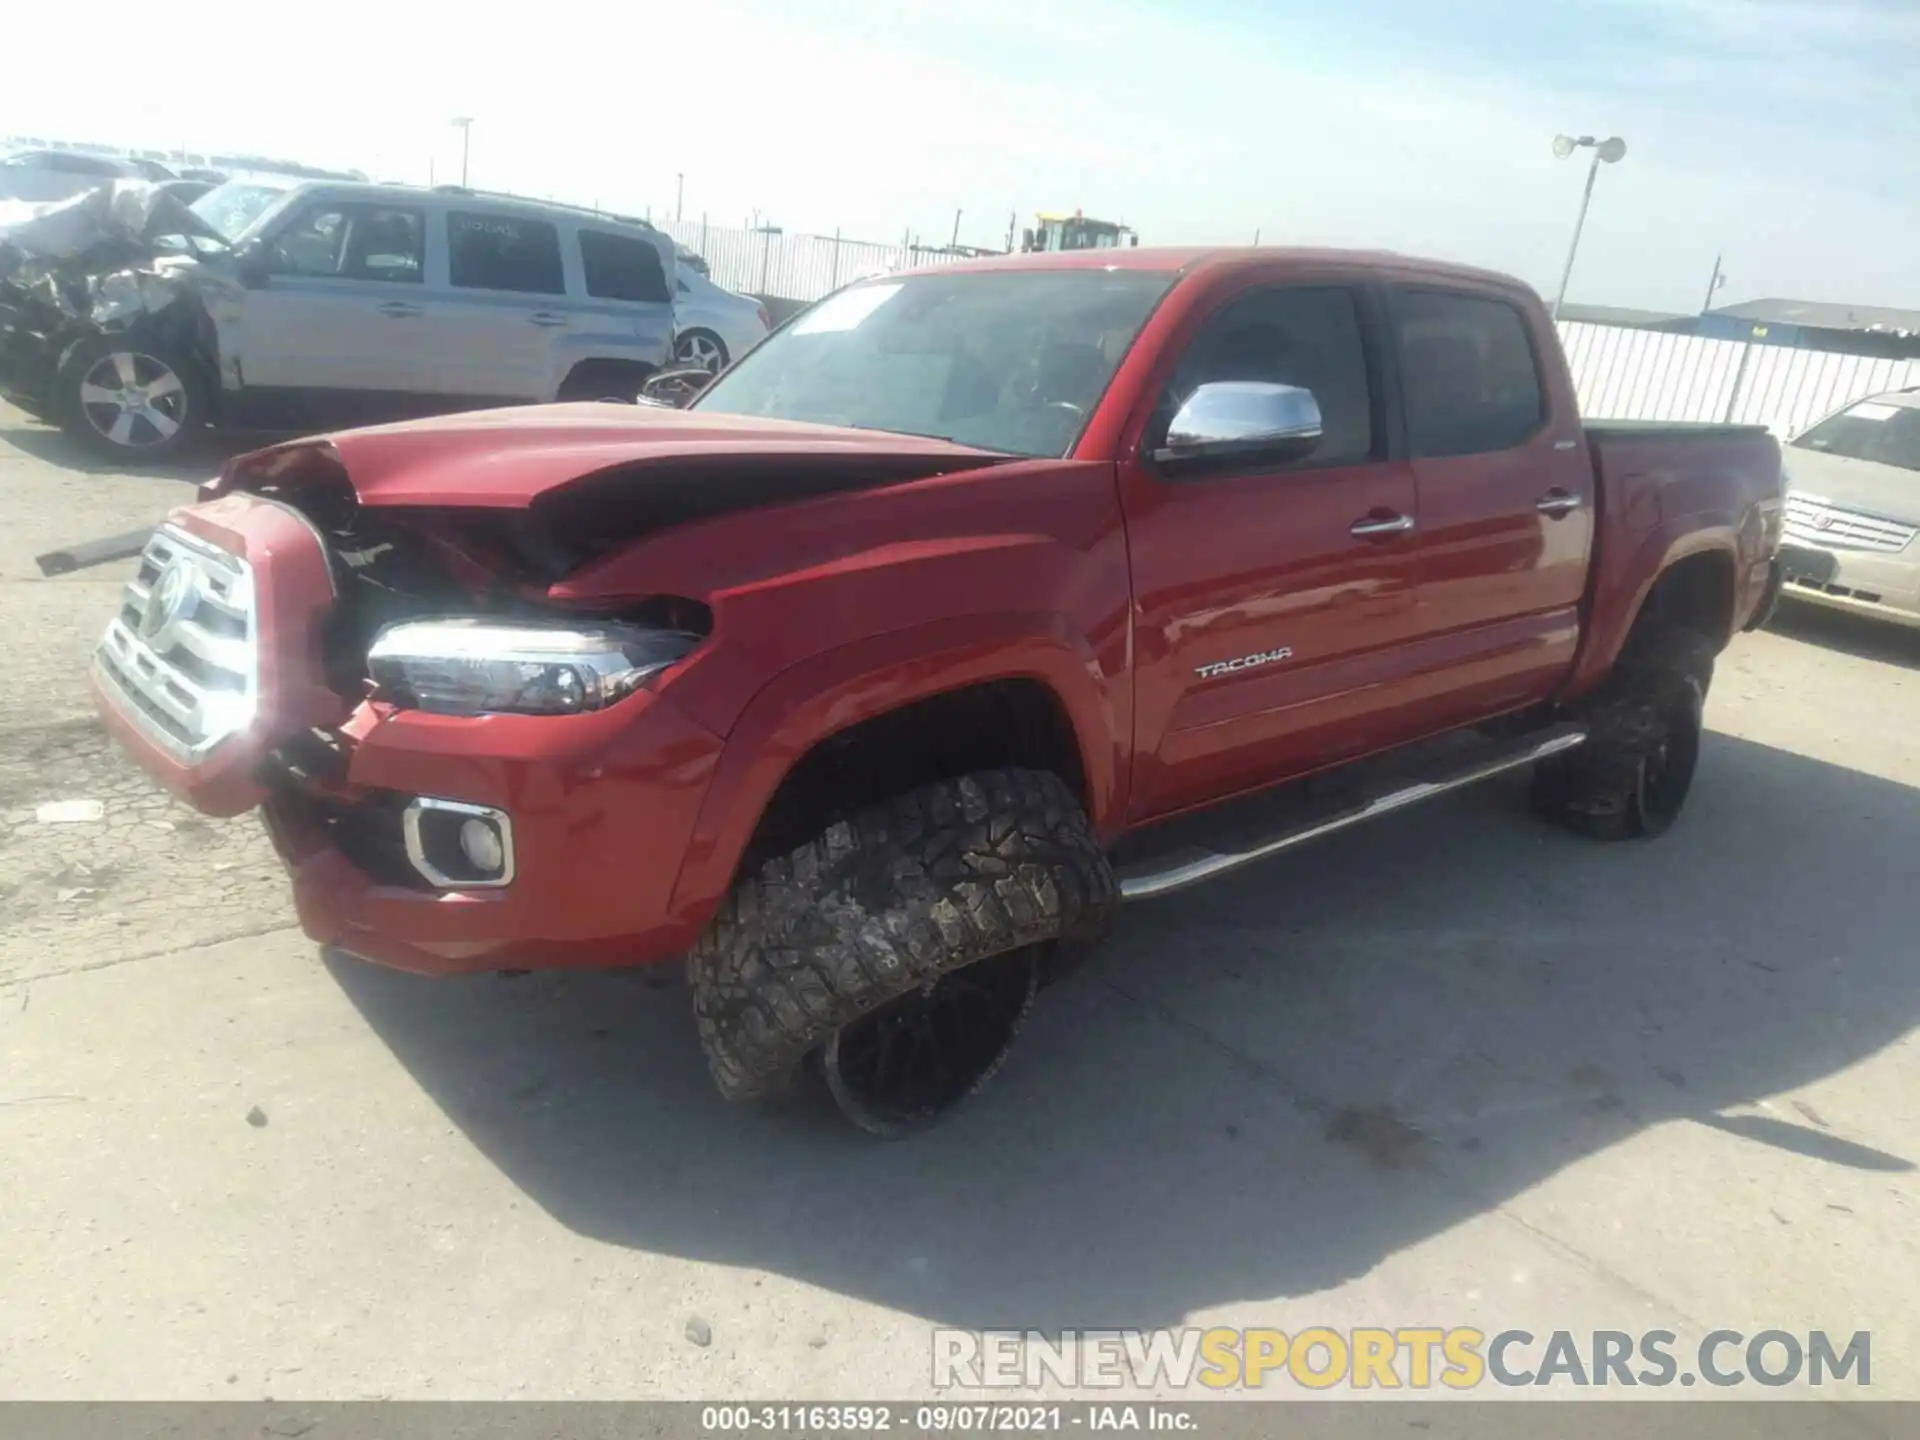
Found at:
[1612, 618]
[838, 688]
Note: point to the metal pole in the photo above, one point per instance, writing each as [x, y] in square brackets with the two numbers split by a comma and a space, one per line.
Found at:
[766, 257]
[703, 233]
[1712, 286]
[1586, 198]
[1739, 384]
[956, 230]
[833, 278]
[679, 195]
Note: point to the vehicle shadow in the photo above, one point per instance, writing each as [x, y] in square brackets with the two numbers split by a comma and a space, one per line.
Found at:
[1259, 1089]
[1858, 635]
[195, 461]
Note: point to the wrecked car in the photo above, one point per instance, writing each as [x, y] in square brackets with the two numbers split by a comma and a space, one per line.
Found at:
[98, 325]
[300, 305]
[971, 604]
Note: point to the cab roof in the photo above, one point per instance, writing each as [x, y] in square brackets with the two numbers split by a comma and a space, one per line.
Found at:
[1194, 259]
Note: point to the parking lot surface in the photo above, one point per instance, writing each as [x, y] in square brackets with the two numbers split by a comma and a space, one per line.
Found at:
[1456, 1068]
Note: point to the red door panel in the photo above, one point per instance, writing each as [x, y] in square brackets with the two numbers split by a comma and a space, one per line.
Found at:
[1234, 570]
[1492, 444]
[1265, 630]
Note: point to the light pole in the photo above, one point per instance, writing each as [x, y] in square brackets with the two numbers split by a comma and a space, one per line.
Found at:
[465, 122]
[679, 194]
[1610, 151]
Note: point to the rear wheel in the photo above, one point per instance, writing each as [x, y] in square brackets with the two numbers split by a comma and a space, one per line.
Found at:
[1632, 777]
[130, 400]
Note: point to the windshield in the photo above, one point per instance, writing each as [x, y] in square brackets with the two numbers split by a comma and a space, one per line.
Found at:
[1003, 360]
[1872, 430]
[232, 207]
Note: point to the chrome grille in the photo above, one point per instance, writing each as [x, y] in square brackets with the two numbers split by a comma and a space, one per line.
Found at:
[179, 658]
[1815, 521]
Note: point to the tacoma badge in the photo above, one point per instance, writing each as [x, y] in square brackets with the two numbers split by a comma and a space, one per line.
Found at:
[1245, 662]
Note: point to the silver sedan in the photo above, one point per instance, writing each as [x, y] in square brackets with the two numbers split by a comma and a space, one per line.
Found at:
[713, 326]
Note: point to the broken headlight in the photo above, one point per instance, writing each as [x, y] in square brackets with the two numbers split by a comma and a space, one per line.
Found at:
[474, 667]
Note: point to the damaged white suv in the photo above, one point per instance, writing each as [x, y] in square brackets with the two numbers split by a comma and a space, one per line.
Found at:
[323, 303]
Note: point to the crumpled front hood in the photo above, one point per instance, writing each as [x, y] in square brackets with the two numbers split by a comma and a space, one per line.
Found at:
[511, 458]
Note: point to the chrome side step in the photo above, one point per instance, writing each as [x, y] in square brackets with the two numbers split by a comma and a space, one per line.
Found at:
[1163, 874]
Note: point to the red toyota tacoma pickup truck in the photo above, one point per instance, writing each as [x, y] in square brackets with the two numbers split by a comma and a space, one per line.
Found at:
[971, 604]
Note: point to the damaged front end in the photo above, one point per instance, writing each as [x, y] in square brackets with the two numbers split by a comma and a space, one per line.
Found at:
[119, 260]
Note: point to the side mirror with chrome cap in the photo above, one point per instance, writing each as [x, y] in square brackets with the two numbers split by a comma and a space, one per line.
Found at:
[1240, 422]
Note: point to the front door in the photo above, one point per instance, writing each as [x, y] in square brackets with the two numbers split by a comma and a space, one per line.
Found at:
[341, 306]
[1271, 601]
[1506, 503]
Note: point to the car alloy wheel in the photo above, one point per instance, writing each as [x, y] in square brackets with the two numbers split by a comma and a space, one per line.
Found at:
[698, 348]
[133, 400]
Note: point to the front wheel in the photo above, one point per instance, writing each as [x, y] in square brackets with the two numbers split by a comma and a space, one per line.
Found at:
[128, 400]
[702, 349]
[899, 948]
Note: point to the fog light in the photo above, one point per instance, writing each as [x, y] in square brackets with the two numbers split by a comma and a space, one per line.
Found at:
[455, 845]
[480, 843]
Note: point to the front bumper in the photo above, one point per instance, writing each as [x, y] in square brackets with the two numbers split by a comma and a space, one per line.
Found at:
[602, 808]
[209, 676]
[1884, 586]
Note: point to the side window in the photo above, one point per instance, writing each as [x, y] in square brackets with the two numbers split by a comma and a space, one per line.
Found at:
[504, 252]
[386, 244]
[353, 242]
[313, 243]
[1307, 336]
[1468, 371]
[622, 267]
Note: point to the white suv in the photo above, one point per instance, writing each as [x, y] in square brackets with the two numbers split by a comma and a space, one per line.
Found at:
[344, 303]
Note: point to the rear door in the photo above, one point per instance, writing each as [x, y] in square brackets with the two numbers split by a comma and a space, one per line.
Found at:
[1271, 600]
[1505, 494]
[341, 299]
[505, 313]
[627, 309]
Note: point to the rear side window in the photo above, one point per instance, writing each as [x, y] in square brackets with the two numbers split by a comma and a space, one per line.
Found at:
[622, 267]
[1468, 371]
[504, 252]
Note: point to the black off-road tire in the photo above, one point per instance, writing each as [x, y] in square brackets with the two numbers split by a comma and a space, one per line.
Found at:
[882, 903]
[1632, 776]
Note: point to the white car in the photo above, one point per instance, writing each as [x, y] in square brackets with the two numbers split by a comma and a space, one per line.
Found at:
[42, 175]
[713, 326]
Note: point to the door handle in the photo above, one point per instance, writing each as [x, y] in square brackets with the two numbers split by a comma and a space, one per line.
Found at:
[547, 318]
[1379, 526]
[399, 310]
[1557, 502]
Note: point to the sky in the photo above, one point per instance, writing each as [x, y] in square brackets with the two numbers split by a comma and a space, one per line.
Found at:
[1784, 134]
